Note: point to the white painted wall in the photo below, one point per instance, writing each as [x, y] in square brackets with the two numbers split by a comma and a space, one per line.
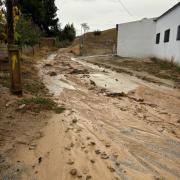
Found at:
[135, 39]
[171, 49]
[138, 39]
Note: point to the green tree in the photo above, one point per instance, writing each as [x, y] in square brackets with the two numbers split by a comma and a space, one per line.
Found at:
[50, 22]
[68, 33]
[28, 33]
[43, 13]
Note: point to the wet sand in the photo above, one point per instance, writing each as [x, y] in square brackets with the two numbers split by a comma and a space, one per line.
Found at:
[115, 126]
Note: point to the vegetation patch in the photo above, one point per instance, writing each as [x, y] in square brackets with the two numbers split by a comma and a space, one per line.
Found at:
[165, 64]
[59, 110]
[97, 33]
[5, 81]
[37, 104]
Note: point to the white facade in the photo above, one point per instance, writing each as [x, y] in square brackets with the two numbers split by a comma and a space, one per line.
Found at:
[135, 38]
[138, 39]
[169, 50]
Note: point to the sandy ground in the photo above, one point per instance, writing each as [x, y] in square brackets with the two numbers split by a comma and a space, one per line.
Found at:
[116, 126]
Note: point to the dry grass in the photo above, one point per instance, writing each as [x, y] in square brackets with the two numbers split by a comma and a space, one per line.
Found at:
[102, 44]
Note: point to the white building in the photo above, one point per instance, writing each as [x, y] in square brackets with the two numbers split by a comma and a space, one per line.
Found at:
[156, 37]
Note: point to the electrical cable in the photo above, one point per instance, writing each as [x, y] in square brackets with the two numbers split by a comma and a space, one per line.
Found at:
[125, 8]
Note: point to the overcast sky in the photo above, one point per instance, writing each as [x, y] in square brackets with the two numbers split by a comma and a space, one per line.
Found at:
[105, 14]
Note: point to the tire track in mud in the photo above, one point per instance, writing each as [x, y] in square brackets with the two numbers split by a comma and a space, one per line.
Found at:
[145, 163]
[137, 136]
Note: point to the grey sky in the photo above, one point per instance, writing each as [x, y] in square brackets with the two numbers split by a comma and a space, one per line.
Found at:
[104, 14]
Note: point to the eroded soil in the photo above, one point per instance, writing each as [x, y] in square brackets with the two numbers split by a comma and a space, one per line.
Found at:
[116, 126]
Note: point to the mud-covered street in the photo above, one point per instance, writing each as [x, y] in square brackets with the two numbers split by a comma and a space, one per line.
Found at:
[115, 126]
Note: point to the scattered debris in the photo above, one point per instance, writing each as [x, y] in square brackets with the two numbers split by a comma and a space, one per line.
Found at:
[83, 147]
[117, 163]
[111, 168]
[74, 121]
[9, 104]
[47, 65]
[73, 172]
[92, 83]
[40, 160]
[53, 73]
[108, 145]
[79, 71]
[79, 176]
[32, 146]
[10, 117]
[104, 156]
[97, 151]
[122, 94]
[72, 145]
[79, 130]
[92, 161]
[123, 108]
[92, 143]
[22, 106]
[70, 162]
[88, 177]
[88, 138]
[67, 148]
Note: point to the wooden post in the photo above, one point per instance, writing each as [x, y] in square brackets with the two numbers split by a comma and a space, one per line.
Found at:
[13, 52]
[15, 72]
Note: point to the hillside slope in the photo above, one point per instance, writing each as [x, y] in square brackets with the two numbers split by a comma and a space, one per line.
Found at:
[102, 44]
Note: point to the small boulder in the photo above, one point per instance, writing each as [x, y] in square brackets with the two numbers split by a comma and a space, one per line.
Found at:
[104, 156]
[111, 168]
[73, 172]
[92, 83]
[97, 151]
[74, 121]
[22, 106]
[53, 73]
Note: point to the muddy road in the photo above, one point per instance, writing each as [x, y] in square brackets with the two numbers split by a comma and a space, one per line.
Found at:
[116, 126]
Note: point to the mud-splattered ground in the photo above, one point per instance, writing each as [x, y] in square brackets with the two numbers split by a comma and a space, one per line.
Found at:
[116, 126]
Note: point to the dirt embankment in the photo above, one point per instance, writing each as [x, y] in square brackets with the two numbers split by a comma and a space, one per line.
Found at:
[93, 44]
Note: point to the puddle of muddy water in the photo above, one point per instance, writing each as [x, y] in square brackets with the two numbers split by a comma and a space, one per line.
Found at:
[55, 84]
[125, 83]
[112, 81]
[113, 84]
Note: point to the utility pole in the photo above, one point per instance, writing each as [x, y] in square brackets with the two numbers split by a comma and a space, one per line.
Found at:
[13, 52]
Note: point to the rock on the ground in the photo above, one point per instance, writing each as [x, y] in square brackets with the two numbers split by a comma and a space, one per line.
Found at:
[53, 73]
[73, 172]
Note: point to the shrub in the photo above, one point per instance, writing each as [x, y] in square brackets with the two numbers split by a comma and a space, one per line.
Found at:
[97, 33]
[62, 43]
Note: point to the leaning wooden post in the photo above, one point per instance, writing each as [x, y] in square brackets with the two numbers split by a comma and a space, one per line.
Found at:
[13, 52]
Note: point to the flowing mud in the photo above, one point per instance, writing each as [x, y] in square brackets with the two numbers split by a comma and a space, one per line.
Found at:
[115, 126]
